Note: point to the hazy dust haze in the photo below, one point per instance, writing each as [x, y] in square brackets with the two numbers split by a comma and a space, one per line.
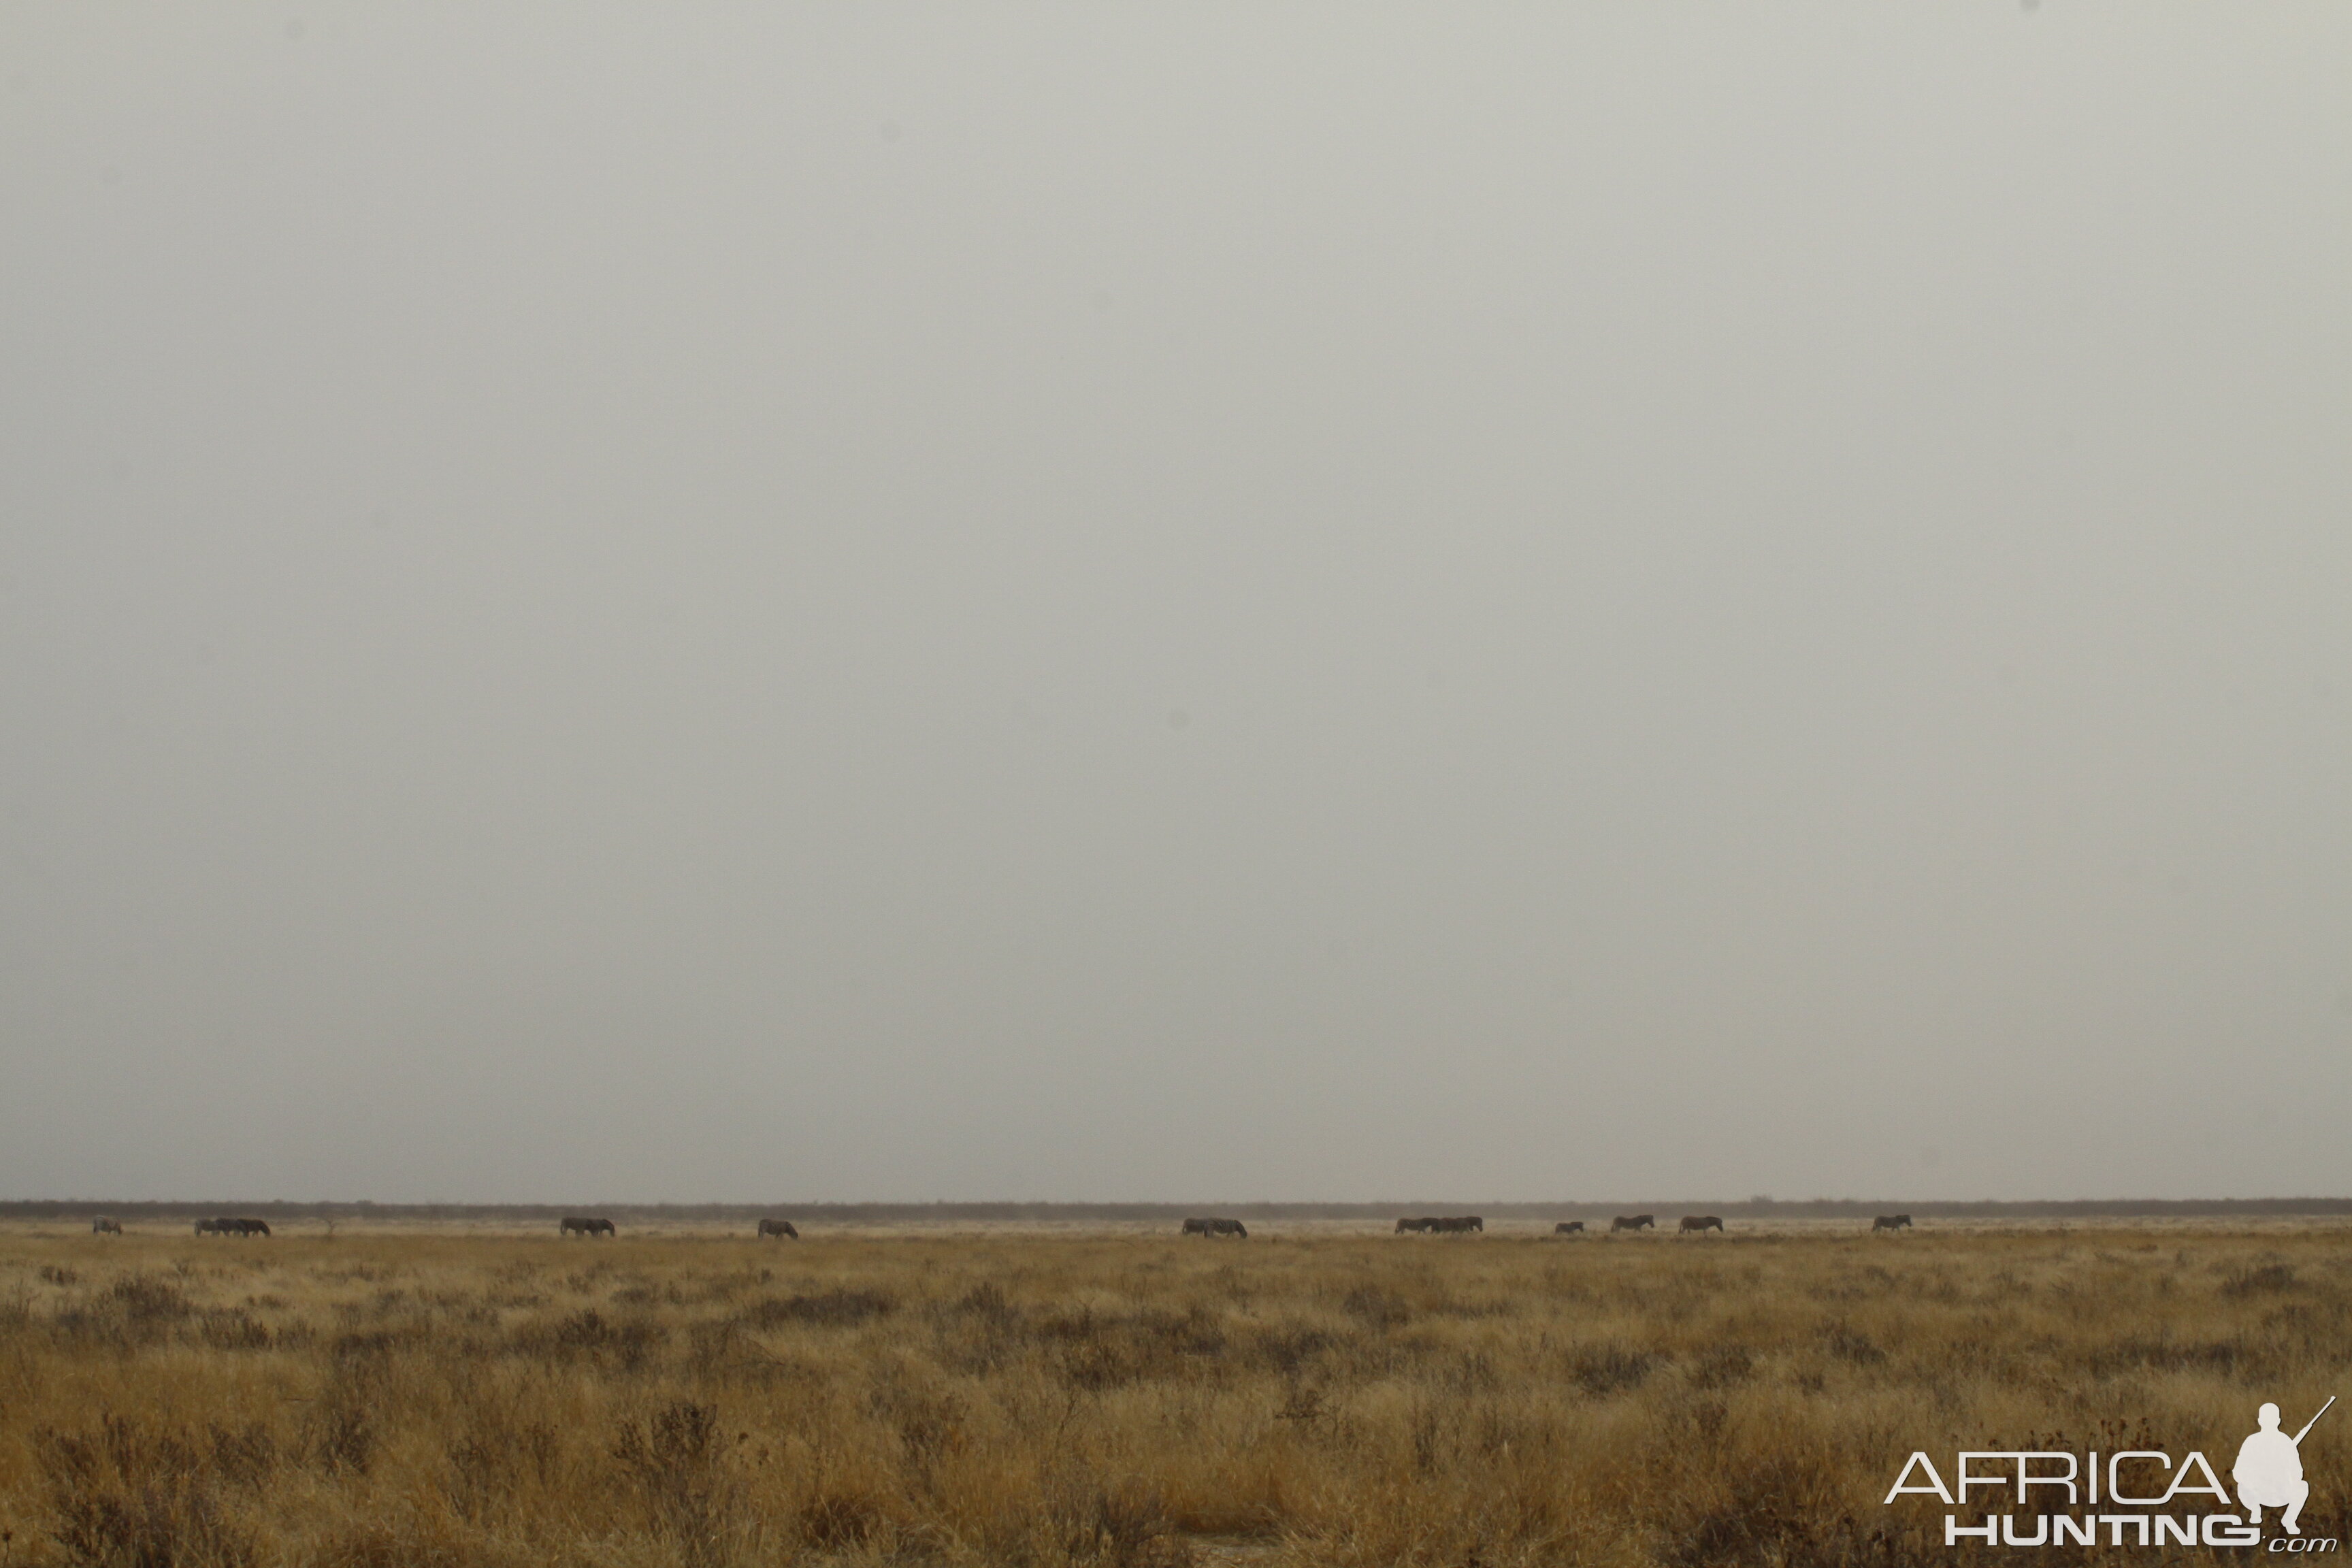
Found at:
[827, 603]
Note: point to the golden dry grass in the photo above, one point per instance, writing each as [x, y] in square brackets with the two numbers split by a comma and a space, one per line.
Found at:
[380, 1398]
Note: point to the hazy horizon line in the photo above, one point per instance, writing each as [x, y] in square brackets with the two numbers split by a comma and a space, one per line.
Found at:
[40, 1208]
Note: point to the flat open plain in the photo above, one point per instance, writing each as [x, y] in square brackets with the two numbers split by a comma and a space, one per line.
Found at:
[1319, 1393]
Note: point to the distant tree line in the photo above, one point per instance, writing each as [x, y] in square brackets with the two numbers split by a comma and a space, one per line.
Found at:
[950, 1212]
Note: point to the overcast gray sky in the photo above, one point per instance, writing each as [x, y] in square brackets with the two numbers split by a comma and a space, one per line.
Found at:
[826, 602]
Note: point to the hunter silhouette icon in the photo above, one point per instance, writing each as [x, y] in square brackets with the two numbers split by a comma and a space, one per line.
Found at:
[2269, 1471]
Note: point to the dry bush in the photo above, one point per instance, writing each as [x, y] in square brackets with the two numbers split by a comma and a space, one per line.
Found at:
[1112, 1400]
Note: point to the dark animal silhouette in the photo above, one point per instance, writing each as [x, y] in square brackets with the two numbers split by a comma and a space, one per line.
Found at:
[215, 1227]
[779, 1227]
[1891, 1222]
[1461, 1224]
[1633, 1222]
[102, 1225]
[1692, 1222]
[247, 1227]
[573, 1223]
[1568, 1228]
[1405, 1225]
[1216, 1228]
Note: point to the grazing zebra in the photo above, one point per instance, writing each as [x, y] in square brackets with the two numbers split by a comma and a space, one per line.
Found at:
[102, 1225]
[1633, 1222]
[1568, 1228]
[1404, 1226]
[779, 1227]
[215, 1227]
[1216, 1228]
[1891, 1222]
[1692, 1222]
[247, 1227]
[1461, 1224]
[573, 1223]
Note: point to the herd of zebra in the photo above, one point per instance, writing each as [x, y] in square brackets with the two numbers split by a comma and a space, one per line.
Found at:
[1427, 1224]
[1462, 1225]
[581, 1225]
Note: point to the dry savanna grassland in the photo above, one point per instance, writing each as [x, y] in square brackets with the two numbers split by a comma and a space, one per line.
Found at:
[392, 1399]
